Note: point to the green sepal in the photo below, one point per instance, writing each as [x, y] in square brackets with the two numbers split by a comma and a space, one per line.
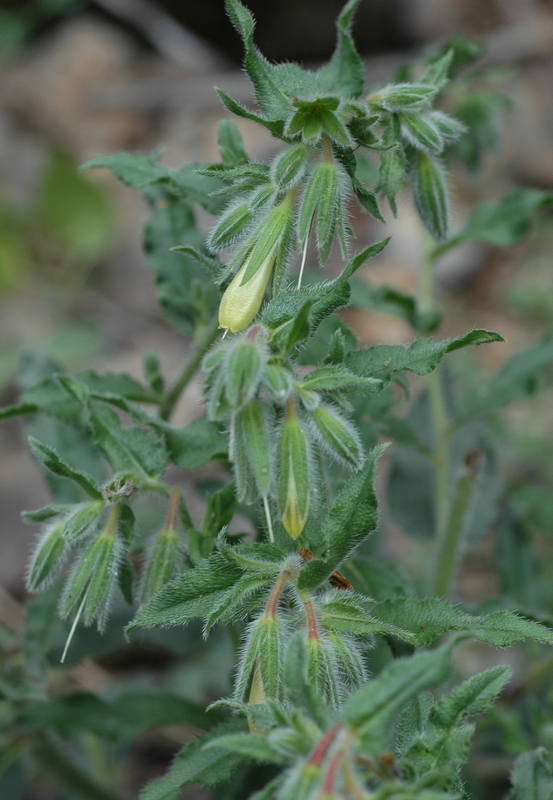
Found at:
[92, 579]
[428, 183]
[352, 518]
[242, 374]
[251, 451]
[339, 435]
[52, 461]
[231, 144]
[162, 562]
[288, 168]
[400, 98]
[49, 556]
[230, 227]
[294, 492]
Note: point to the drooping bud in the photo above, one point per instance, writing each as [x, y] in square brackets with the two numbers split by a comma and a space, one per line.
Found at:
[243, 296]
[278, 382]
[229, 227]
[259, 673]
[243, 370]
[93, 577]
[322, 669]
[49, 557]
[165, 556]
[250, 451]
[321, 199]
[338, 435]
[294, 495]
[289, 166]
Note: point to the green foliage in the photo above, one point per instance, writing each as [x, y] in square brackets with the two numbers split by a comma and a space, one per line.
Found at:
[295, 416]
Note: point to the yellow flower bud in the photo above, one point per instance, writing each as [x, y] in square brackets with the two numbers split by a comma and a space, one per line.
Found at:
[241, 301]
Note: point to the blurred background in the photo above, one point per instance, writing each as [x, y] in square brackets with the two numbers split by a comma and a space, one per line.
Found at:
[80, 78]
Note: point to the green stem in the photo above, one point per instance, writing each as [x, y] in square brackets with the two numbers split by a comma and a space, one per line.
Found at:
[68, 773]
[437, 406]
[449, 546]
[203, 342]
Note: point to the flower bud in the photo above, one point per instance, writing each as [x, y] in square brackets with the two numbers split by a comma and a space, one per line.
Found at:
[243, 373]
[244, 295]
[242, 298]
[278, 382]
[229, 227]
[250, 452]
[289, 166]
[93, 577]
[260, 669]
[50, 555]
[322, 669]
[338, 435]
[162, 563]
[293, 498]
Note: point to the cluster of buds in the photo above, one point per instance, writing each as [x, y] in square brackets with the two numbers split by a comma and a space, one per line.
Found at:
[278, 423]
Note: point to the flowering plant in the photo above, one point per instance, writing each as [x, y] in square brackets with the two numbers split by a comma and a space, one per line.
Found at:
[344, 684]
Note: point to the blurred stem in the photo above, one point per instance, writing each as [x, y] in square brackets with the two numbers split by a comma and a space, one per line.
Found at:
[447, 556]
[204, 340]
[439, 415]
[67, 772]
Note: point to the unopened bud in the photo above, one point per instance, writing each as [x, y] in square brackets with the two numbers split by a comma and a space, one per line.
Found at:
[322, 669]
[243, 373]
[162, 563]
[278, 381]
[289, 166]
[50, 555]
[260, 669]
[294, 494]
[229, 227]
[250, 452]
[242, 298]
[339, 435]
[93, 577]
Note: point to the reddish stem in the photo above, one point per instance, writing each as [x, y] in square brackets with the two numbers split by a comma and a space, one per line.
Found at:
[272, 602]
[171, 521]
[317, 756]
[330, 777]
[313, 633]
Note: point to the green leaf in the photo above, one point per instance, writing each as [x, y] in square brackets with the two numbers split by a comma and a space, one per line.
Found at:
[116, 720]
[51, 460]
[344, 73]
[74, 209]
[420, 357]
[185, 289]
[190, 596]
[196, 444]
[136, 450]
[197, 764]
[372, 709]
[136, 170]
[254, 747]
[507, 221]
[231, 144]
[384, 299]
[274, 85]
[429, 187]
[518, 379]
[338, 379]
[275, 127]
[429, 619]
[474, 696]
[18, 410]
[532, 777]
[194, 186]
[352, 518]
[344, 611]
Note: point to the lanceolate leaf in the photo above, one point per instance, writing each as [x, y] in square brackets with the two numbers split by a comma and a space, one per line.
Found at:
[136, 170]
[352, 518]
[532, 777]
[519, 378]
[344, 72]
[372, 709]
[429, 619]
[197, 764]
[192, 595]
[55, 464]
[421, 357]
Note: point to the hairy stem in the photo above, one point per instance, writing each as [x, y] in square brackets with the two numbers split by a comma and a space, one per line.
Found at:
[67, 772]
[204, 340]
[447, 556]
[438, 411]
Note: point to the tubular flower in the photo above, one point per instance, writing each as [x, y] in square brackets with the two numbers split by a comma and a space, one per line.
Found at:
[242, 300]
